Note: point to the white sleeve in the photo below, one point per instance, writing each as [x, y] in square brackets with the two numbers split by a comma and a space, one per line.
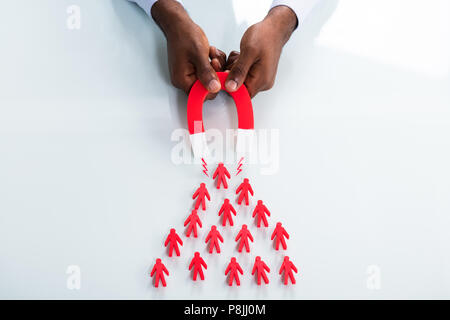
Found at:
[301, 7]
[146, 5]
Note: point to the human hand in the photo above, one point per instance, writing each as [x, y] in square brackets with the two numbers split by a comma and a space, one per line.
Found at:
[190, 56]
[256, 64]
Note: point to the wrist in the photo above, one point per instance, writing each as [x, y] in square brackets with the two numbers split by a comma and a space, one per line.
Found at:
[170, 16]
[283, 20]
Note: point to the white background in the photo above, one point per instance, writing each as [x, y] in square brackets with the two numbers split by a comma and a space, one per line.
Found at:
[87, 178]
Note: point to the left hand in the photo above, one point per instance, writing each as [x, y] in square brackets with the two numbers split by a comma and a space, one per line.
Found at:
[256, 64]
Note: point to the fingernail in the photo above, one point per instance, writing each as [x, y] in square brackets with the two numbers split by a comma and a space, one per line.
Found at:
[213, 86]
[231, 85]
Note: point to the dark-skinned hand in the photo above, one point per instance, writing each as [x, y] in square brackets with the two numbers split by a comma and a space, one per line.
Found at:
[190, 56]
[256, 64]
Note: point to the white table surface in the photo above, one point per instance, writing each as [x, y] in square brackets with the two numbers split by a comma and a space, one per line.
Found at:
[362, 108]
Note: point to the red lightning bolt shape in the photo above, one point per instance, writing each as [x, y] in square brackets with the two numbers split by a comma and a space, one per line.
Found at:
[205, 171]
[239, 170]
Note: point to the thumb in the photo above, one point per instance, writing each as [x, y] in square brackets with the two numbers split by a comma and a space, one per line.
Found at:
[207, 76]
[239, 71]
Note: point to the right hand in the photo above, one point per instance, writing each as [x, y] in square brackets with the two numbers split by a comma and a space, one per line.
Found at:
[261, 46]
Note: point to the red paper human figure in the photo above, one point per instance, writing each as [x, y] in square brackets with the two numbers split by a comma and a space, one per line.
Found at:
[197, 263]
[222, 174]
[260, 213]
[260, 268]
[244, 188]
[214, 236]
[192, 220]
[287, 266]
[227, 209]
[244, 234]
[200, 194]
[158, 270]
[233, 269]
[279, 233]
[173, 240]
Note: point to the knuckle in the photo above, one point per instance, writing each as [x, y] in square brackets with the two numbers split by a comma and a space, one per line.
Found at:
[175, 81]
[269, 85]
[222, 54]
[268, 82]
[234, 53]
[180, 83]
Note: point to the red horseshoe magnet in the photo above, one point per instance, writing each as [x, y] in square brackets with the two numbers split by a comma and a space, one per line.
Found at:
[195, 117]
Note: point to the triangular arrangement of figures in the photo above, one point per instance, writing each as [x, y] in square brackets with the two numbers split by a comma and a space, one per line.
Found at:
[214, 239]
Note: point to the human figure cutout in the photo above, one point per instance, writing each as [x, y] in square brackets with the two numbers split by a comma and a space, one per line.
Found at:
[222, 174]
[214, 236]
[279, 233]
[200, 194]
[192, 220]
[173, 240]
[244, 235]
[233, 269]
[260, 268]
[287, 266]
[158, 270]
[260, 213]
[227, 209]
[197, 263]
[244, 188]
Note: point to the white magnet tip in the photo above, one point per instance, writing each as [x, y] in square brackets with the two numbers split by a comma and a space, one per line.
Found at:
[199, 145]
[244, 142]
